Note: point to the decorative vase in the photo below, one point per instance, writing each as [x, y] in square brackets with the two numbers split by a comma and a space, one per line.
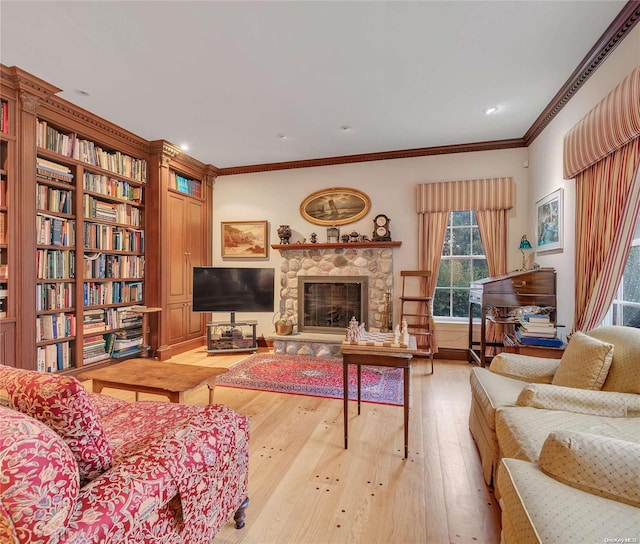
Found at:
[284, 233]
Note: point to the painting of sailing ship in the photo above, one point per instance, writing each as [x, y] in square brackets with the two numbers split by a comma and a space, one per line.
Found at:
[335, 206]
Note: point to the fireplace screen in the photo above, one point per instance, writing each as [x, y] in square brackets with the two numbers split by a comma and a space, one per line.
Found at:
[326, 304]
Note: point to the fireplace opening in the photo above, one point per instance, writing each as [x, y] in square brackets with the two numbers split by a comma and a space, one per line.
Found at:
[326, 304]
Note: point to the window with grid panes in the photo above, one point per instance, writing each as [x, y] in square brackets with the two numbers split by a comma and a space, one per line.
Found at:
[463, 261]
[625, 309]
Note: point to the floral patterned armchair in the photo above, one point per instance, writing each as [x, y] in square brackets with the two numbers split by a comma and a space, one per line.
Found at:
[83, 468]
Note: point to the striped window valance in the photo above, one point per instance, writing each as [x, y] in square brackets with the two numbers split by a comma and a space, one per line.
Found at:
[471, 194]
[611, 124]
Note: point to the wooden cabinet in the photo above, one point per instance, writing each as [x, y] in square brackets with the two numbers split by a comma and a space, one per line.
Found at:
[497, 295]
[182, 211]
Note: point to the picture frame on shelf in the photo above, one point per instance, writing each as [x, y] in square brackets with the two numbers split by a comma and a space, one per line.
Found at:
[245, 239]
[335, 206]
[550, 222]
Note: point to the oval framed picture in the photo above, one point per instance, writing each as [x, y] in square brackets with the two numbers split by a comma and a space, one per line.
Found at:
[335, 206]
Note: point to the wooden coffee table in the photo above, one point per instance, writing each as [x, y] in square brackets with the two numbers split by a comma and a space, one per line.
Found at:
[155, 377]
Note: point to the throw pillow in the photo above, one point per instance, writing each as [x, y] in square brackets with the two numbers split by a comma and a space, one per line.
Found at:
[62, 403]
[585, 363]
[596, 464]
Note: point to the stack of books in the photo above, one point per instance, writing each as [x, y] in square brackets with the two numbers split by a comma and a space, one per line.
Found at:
[538, 330]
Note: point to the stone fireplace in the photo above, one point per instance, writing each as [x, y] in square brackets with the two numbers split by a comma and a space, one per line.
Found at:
[337, 264]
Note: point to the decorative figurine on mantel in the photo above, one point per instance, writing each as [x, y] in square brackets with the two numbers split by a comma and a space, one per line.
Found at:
[284, 233]
[314, 238]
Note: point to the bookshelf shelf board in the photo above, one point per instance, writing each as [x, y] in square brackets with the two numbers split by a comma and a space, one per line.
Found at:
[111, 280]
[56, 311]
[55, 341]
[116, 199]
[56, 184]
[112, 251]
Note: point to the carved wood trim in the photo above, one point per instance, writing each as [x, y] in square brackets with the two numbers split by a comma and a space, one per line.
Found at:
[618, 29]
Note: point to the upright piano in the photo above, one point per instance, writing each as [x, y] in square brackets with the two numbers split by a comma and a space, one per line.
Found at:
[498, 295]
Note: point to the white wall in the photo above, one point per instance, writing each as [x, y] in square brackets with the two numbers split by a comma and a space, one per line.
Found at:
[545, 164]
[391, 185]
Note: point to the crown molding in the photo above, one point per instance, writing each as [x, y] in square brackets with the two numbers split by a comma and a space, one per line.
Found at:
[380, 156]
[617, 31]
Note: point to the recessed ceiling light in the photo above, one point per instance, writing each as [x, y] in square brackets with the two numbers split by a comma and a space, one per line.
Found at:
[490, 110]
[346, 128]
[283, 136]
[81, 93]
[184, 147]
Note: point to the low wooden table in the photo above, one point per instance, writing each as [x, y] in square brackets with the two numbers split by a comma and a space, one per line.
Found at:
[155, 377]
[377, 356]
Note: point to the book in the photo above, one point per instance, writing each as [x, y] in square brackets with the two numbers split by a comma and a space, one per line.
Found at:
[537, 318]
[537, 341]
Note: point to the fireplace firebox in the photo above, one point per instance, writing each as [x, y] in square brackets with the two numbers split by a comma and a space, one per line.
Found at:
[326, 303]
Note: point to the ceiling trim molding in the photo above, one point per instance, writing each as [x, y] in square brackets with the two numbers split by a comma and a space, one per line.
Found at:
[380, 156]
[617, 31]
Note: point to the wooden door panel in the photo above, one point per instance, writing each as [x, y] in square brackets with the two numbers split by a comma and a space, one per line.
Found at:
[177, 249]
[176, 318]
[195, 240]
[194, 322]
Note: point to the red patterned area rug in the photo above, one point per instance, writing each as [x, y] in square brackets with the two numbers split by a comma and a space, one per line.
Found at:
[313, 376]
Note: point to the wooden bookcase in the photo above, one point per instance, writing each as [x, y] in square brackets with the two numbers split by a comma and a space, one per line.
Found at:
[181, 209]
[8, 221]
[90, 233]
[81, 204]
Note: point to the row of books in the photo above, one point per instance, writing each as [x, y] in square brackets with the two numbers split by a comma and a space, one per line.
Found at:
[54, 296]
[185, 185]
[116, 292]
[53, 199]
[107, 237]
[55, 264]
[70, 145]
[53, 326]
[3, 192]
[4, 116]
[113, 266]
[98, 183]
[125, 214]
[3, 228]
[54, 357]
[55, 231]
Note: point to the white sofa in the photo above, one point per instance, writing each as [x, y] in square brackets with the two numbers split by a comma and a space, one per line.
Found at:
[519, 401]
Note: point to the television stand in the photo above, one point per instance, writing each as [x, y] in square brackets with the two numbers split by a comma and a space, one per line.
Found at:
[231, 336]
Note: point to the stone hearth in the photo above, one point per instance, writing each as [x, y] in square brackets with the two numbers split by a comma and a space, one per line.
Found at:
[376, 263]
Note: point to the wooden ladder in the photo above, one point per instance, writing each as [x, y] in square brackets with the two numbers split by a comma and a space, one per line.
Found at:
[415, 309]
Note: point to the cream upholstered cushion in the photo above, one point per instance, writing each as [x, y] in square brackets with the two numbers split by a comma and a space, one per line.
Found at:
[537, 508]
[582, 401]
[596, 464]
[585, 363]
[624, 374]
[524, 367]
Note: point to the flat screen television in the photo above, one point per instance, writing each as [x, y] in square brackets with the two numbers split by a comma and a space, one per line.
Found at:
[217, 289]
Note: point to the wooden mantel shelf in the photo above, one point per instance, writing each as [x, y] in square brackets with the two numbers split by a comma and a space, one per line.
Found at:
[339, 245]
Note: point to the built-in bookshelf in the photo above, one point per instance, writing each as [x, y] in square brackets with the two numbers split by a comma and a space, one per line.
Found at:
[90, 248]
[4, 208]
[8, 219]
[184, 184]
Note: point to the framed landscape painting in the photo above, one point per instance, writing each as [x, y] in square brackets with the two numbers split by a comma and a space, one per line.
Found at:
[245, 239]
[549, 222]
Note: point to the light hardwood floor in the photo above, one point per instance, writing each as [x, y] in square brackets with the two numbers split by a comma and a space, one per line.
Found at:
[305, 488]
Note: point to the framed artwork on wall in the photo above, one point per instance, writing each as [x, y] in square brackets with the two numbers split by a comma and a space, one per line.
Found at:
[550, 220]
[245, 239]
[335, 206]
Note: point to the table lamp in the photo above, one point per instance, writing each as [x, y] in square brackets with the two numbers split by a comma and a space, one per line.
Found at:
[524, 244]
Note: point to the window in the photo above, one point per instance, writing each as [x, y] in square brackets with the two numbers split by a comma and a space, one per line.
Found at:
[625, 309]
[463, 261]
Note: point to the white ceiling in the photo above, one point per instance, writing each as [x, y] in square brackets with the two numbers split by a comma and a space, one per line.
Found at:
[229, 77]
